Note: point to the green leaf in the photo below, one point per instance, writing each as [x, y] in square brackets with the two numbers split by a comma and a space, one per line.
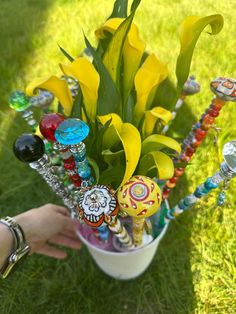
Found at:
[66, 54]
[108, 96]
[190, 31]
[128, 108]
[156, 142]
[158, 160]
[113, 55]
[112, 176]
[119, 9]
[135, 5]
[76, 111]
[113, 158]
[95, 167]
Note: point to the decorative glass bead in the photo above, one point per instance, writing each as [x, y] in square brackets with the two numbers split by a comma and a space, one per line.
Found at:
[221, 198]
[196, 143]
[190, 200]
[206, 126]
[189, 151]
[215, 108]
[29, 148]
[218, 102]
[209, 184]
[213, 113]
[179, 172]
[208, 119]
[200, 134]
[185, 158]
[49, 124]
[42, 100]
[170, 185]
[19, 101]
[71, 132]
[229, 153]
[182, 205]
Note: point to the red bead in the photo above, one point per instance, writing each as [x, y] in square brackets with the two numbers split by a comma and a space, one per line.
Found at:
[213, 113]
[208, 119]
[179, 172]
[69, 165]
[206, 126]
[200, 134]
[170, 185]
[189, 151]
[174, 179]
[216, 108]
[77, 183]
[49, 124]
[165, 192]
[218, 102]
[196, 143]
[185, 158]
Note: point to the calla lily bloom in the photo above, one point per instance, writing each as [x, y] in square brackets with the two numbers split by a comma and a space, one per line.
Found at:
[84, 71]
[146, 81]
[133, 50]
[151, 118]
[58, 87]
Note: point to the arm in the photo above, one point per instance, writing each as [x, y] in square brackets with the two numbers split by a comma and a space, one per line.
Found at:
[43, 226]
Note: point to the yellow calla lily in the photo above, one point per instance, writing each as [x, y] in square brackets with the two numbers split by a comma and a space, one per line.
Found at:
[156, 142]
[154, 72]
[58, 87]
[162, 162]
[133, 50]
[131, 141]
[110, 137]
[151, 117]
[84, 71]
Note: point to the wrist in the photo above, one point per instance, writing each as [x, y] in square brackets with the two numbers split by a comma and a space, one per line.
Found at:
[7, 243]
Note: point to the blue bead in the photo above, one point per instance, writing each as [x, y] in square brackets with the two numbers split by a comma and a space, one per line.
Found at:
[182, 205]
[84, 172]
[209, 184]
[199, 192]
[71, 132]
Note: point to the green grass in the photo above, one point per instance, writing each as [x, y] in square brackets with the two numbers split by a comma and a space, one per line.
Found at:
[194, 268]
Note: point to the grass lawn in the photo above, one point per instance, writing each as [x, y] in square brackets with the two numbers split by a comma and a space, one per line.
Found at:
[194, 269]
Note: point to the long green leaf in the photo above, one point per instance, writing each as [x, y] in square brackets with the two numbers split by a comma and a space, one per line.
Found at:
[190, 31]
[119, 9]
[135, 5]
[156, 142]
[113, 55]
[66, 54]
[95, 167]
[76, 111]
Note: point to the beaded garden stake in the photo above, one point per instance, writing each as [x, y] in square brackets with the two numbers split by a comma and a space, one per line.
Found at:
[191, 87]
[225, 90]
[20, 102]
[140, 197]
[72, 132]
[97, 207]
[48, 125]
[30, 149]
[227, 172]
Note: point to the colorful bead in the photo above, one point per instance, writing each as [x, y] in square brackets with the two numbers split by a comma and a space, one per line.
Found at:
[221, 198]
[71, 132]
[43, 100]
[179, 172]
[49, 124]
[19, 101]
[200, 134]
[218, 102]
[209, 184]
[28, 148]
[208, 119]
[224, 88]
[213, 113]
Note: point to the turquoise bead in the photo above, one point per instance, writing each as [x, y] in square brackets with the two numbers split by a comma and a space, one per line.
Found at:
[209, 185]
[71, 132]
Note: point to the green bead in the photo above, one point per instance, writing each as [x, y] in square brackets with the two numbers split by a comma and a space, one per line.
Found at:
[19, 101]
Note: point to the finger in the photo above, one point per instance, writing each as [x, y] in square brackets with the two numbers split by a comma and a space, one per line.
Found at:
[70, 224]
[51, 251]
[70, 233]
[66, 241]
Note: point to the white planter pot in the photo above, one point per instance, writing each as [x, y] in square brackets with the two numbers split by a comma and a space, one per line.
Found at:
[124, 265]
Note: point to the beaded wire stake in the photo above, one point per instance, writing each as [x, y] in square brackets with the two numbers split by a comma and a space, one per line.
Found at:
[227, 172]
[30, 149]
[225, 90]
[20, 102]
[191, 87]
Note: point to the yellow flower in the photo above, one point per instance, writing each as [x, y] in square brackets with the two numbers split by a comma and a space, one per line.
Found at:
[146, 81]
[88, 78]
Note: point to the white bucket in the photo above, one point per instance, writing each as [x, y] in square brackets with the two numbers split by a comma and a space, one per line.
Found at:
[124, 265]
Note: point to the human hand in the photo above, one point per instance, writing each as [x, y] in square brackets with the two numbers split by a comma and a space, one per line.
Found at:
[49, 224]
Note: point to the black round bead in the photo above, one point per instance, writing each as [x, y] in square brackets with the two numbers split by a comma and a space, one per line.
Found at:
[28, 148]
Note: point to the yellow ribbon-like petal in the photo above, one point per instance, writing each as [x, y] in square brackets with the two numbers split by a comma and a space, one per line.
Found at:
[162, 162]
[133, 50]
[110, 137]
[156, 142]
[58, 87]
[146, 81]
[131, 141]
[151, 117]
[84, 71]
